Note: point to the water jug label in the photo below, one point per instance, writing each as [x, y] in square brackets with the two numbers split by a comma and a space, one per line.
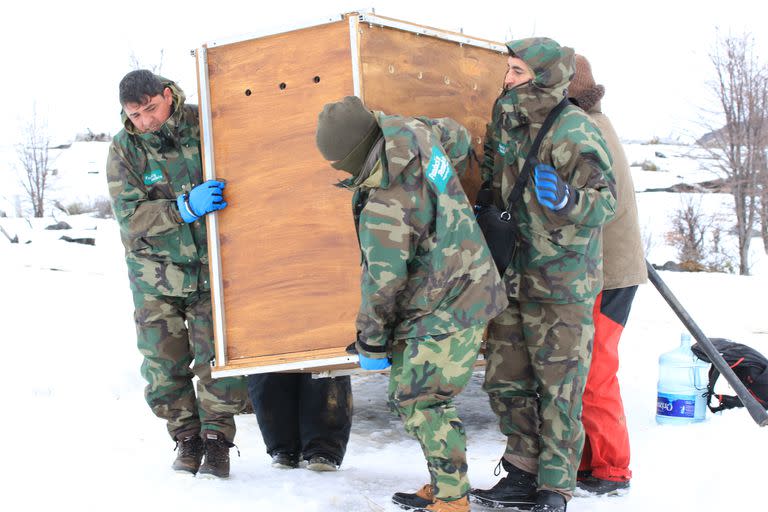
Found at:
[677, 406]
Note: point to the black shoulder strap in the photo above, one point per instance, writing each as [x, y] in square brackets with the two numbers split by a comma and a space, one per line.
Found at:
[522, 179]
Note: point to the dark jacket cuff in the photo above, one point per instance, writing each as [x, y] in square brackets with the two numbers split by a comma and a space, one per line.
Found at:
[371, 351]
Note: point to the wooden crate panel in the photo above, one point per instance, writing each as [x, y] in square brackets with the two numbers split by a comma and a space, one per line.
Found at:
[411, 74]
[289, 257]
[288, 249]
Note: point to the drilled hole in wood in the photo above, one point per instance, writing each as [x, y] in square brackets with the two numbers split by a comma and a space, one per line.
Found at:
[316, 79]
[282, 86]
[247, 92]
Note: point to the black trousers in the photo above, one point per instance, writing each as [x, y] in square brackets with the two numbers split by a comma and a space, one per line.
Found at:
[301, 415]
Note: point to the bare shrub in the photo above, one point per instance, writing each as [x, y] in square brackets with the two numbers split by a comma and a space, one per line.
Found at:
[103, 208]
[99, 207]
[698, 238]
[647, 238]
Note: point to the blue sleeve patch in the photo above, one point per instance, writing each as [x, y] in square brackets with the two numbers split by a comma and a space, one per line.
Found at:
[439, 170]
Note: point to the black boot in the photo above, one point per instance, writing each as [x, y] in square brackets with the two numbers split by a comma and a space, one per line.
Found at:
[190, 453]
[319, 462]
[598, 486]
[216, 464]
[282, 460]
[517, 489]
[549, 501]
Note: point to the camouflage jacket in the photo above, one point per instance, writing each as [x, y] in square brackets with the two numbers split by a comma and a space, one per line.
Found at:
[426, 267]
[558, 258]
[146, 172]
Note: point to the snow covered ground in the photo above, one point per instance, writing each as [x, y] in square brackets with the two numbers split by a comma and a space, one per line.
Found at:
[79, 436]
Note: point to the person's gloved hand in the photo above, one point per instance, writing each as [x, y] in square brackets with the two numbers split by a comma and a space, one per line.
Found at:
[204, 198]
[551, 191]
[368, 363]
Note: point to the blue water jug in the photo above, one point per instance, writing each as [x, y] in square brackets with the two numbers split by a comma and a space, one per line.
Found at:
[682, 385]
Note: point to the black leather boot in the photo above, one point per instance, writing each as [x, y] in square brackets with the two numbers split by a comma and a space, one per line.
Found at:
[549, 501]
[517, 489]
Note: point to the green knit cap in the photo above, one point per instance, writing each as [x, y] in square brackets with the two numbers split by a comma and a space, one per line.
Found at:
[346, 131]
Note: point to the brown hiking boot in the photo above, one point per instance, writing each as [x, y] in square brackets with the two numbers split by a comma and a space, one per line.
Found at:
[216, 463]
[460, 505]
[415, 500]
[190, 453]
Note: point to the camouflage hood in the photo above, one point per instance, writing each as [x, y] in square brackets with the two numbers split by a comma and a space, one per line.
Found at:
[399, 148]
[176, 113]
[553, 68]
[400, 139]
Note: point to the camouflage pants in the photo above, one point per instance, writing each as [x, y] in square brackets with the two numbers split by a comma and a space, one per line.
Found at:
[175, 333]
[538, 359]
[426, 374]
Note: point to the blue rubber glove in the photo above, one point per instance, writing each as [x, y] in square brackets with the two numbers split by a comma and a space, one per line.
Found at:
[203, 199]
[367, 363]
[551, 191]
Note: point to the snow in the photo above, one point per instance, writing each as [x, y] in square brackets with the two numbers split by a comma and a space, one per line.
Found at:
[79, 434]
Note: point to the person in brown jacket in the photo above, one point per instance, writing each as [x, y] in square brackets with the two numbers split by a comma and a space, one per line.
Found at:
[604, 465]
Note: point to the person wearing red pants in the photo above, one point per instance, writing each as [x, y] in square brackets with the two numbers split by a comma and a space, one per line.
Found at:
[604, 467]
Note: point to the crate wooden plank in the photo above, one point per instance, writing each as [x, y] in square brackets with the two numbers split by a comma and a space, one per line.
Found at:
[289, 253]
[307, 361]
[410, 74]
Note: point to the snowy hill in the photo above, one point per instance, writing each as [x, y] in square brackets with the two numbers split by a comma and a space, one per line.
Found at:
[80, 435]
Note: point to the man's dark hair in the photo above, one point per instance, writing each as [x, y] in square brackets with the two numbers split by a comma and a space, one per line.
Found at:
[138, 86]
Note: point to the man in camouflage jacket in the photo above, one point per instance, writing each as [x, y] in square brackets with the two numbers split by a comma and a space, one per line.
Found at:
[539, 348]
[155, 183]
[428, 282]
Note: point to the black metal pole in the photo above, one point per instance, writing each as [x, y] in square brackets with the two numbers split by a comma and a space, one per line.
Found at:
[753, 406]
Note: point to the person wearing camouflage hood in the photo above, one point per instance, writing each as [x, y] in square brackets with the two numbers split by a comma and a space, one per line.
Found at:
[159, 200]
[428, 283]
[538, 350]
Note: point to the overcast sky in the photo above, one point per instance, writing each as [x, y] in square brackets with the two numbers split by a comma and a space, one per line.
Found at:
[67, 58]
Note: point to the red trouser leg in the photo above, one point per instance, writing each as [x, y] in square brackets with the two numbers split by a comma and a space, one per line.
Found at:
[606, 450]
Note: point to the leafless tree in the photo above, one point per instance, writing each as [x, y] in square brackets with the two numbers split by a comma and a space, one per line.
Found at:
[156, 68]
[739, 142]
[33, 156]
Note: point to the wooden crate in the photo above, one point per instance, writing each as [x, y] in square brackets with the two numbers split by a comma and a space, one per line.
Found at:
[284, 255]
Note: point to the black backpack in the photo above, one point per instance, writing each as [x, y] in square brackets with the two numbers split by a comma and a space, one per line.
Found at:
[749, 365]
